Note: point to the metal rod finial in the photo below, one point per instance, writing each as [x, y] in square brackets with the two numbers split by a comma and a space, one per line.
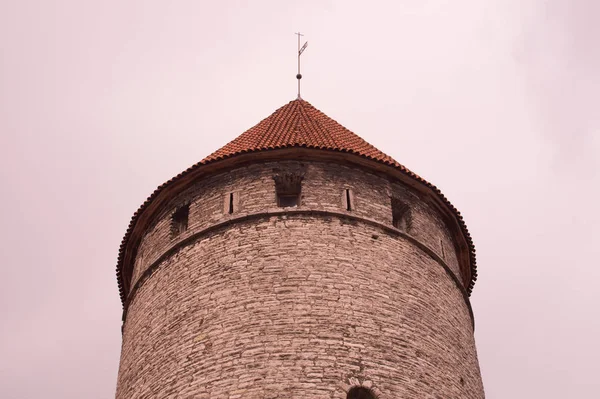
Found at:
[300, 51]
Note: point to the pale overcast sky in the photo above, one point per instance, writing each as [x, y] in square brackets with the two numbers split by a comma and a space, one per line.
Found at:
[495, 102]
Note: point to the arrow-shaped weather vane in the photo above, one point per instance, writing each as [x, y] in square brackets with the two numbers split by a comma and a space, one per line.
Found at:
[300, 51]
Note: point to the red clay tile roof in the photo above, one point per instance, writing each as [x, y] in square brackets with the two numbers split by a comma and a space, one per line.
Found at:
[299, 124]
[296, 124]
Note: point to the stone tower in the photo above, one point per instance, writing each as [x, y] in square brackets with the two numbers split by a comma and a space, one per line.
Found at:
[298, 261]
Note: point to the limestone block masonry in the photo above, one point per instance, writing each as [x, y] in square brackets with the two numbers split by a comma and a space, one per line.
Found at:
[252, 300]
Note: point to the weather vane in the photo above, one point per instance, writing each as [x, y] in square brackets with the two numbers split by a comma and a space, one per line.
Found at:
[300, 51]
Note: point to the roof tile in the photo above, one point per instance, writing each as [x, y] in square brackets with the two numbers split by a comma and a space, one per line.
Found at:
[299, 124]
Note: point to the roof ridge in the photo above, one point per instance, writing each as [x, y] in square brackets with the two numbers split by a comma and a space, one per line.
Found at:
[323, 136]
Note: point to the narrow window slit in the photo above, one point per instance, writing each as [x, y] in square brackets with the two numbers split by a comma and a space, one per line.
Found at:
[230, 203]
[442, 246]
[348, 202]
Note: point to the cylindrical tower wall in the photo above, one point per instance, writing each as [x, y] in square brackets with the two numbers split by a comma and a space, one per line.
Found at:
[266, 302]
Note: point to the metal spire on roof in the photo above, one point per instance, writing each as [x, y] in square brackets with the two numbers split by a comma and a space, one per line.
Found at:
[300, 51]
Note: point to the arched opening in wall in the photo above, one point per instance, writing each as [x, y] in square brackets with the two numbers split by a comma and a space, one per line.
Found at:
[360, 393]
[401, 216]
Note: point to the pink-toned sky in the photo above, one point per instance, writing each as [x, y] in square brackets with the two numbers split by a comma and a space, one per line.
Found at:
[495, 102]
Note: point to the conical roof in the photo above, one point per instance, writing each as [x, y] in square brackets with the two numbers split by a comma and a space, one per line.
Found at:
[299, 124]
[296, 124]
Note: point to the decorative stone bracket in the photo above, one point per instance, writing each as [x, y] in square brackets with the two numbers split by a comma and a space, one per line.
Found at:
[288, 183]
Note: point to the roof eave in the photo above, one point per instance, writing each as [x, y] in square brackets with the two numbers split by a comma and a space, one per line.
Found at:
[168, 190]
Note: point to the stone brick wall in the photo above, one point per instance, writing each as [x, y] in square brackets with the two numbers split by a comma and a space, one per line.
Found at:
[300, 304]
[322, 189]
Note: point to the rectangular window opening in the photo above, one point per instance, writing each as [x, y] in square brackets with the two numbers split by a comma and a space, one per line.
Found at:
[401, 215]
[179, 220]
[287, 200]
[288, 187]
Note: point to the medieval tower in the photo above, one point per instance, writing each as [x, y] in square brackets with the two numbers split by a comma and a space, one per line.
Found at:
[298, 261]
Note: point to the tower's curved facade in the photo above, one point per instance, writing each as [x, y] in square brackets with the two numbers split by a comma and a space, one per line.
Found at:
[297, 262]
